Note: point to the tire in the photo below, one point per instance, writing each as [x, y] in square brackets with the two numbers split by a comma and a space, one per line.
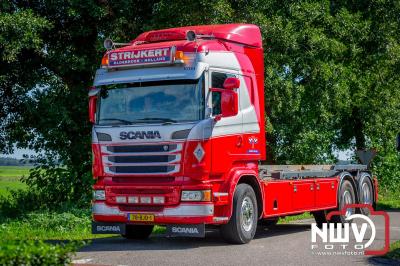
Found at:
[346, 196]
[366, 194]
[242, 226]
[320, 218]
[269, 223]
[135, 231]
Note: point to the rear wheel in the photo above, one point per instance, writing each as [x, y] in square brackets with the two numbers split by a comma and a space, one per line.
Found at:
[135, 231]
[366, 194]
[346, 197]
[242, 226]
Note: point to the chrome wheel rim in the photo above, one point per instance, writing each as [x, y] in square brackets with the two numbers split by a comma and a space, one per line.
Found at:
[247, 214]
[347, 199]
[366, 192]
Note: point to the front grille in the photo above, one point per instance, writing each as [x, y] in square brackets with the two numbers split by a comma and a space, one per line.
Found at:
[142, 159]
[141, 169]
[143, 179]
[137, 191]
[142, 148]
[151, 159]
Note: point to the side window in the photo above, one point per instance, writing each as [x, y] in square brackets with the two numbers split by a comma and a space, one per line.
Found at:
[217, 81]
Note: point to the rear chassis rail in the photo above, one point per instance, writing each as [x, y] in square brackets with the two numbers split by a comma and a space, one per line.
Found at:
[286, 172]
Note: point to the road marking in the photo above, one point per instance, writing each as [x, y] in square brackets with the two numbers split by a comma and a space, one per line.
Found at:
[81, 261]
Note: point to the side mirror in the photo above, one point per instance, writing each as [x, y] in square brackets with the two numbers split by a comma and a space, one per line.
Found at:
[229, 103]
[92, 109]
[231, 83]
[398, 142]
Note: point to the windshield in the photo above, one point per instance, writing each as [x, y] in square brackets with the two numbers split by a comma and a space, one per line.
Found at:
[151, 102]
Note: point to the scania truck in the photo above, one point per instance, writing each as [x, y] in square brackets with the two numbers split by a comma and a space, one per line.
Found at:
[178, 140]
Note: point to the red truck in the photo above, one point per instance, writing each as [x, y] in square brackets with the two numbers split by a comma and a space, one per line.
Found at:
[178, 140]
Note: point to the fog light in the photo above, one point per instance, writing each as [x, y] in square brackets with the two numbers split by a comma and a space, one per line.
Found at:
[146, 200]
[159, 200]
[120, 199]
[196, 195]
[99, 195]
[133, 199]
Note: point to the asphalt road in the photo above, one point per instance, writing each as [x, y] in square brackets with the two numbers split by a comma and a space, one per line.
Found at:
[288, 244]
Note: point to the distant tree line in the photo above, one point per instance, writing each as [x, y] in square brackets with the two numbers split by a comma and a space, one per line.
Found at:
[4, 161]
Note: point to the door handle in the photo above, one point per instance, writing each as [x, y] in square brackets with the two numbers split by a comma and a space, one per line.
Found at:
[239, 141]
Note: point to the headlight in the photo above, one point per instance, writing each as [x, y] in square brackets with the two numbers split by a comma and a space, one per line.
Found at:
[196, 195]
[99, 195]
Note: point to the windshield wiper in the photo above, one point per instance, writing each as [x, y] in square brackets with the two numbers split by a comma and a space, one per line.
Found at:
[164, 120]
[116, 119]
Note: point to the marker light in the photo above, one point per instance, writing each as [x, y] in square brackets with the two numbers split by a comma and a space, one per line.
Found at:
[146, 200]
[190, 35]
[196, 195]
[120, 199]
[133, 199]
[179, 57]
[158, 200]
[108, 44]
[104, 61]
[99, 195]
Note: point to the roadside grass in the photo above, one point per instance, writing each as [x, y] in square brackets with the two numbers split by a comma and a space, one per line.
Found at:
[74, 224]
[293, 218]
[389, 200]
[394, 252]
[10, 177]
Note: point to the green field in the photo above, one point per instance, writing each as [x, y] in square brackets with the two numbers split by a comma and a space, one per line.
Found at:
[10, 178]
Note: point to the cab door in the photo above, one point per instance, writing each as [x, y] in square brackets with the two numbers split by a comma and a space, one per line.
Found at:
[226, 135]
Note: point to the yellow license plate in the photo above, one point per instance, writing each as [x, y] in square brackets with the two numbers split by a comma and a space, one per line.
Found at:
[139, 217]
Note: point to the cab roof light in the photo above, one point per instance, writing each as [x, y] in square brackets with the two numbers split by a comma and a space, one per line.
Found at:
[179, 57]
[104, 61]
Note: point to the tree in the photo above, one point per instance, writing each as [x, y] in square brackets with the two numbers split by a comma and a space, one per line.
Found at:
[49, 53]
[330, 75]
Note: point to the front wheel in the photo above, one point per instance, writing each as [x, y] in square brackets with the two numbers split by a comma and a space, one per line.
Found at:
[136, 231]
[242, 226]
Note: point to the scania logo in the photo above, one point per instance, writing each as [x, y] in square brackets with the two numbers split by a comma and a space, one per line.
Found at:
[140, 135]
[108, 228]
[187, 230]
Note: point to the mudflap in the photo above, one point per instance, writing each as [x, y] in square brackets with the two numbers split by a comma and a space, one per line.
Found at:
[191, 230]
[108, 228]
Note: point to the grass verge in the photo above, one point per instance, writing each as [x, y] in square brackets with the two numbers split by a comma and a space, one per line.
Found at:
[10, 178]
[289, 219]
[389, 200]
[394, 252]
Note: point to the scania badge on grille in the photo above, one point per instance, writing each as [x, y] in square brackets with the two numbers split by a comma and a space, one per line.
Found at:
[140, 135]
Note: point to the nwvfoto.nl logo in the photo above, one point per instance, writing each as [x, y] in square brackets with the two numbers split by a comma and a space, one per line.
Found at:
[349, 238]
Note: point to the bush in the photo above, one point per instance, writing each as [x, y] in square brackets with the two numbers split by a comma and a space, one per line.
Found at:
[36, 253]
[45, 225]
[20, 202]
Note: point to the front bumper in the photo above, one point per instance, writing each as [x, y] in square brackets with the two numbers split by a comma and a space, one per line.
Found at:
[184, 213]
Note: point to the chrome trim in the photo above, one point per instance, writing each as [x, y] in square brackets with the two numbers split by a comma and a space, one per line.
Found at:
[106, 152]
[187, 210]
[103, 209]
[220, 194]
[220, 219]
[190, 210]
[109, 163]
[108, 171]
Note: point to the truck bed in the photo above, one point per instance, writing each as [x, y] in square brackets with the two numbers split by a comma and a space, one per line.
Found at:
[306, 171]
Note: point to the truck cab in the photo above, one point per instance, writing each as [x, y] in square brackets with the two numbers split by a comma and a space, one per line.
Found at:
[178, 134]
